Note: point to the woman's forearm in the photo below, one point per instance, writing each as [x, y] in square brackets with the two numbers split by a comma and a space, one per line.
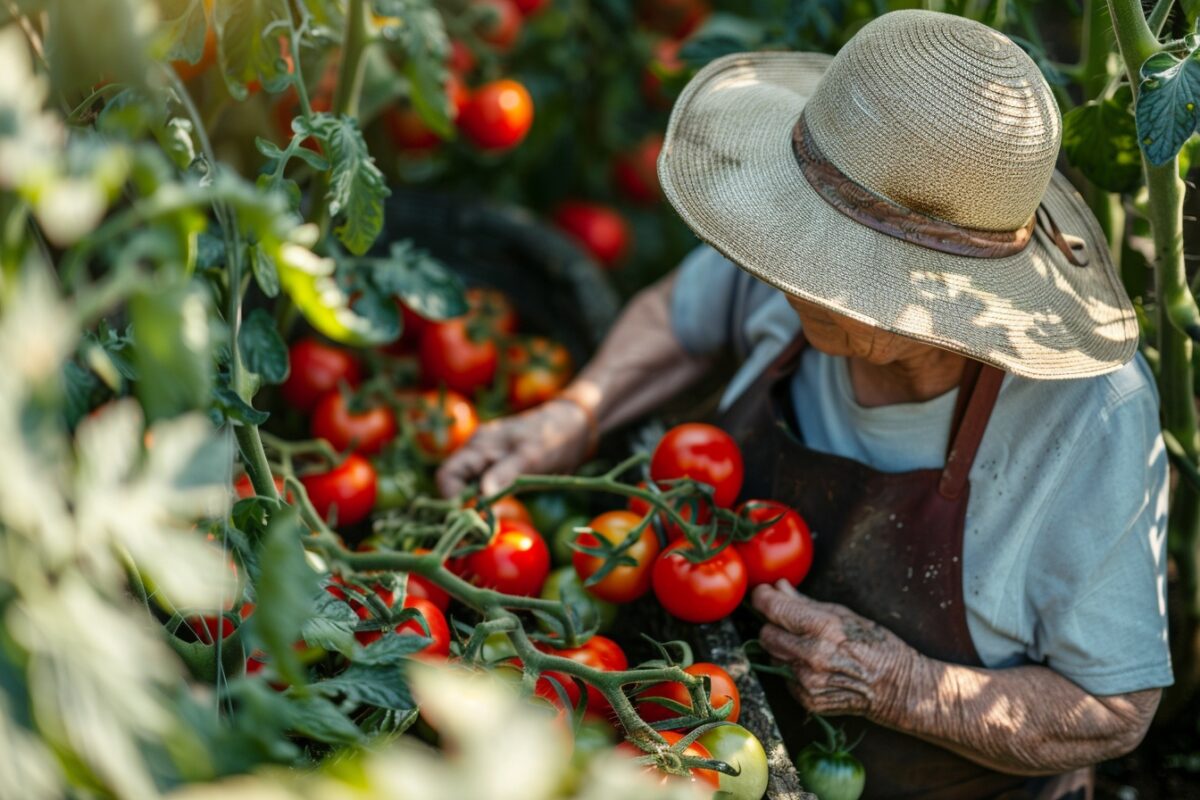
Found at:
[640, 365]
[1026, 720]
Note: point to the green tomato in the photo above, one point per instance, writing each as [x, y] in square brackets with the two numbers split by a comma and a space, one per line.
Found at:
[739, 748]
[397, 487]
[564, 584]
[835, 775]
[564, 536]
[497, 647]
[550, 509]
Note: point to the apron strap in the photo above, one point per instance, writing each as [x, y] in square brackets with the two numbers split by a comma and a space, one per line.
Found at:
[976, 398]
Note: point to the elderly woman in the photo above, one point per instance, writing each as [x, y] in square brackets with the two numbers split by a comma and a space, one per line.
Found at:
[939, 374]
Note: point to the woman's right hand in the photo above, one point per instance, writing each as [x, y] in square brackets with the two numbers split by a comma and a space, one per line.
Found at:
[551, 438]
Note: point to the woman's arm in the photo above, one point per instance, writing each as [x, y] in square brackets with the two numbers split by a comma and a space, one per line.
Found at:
[639, 366]
[1025, 720]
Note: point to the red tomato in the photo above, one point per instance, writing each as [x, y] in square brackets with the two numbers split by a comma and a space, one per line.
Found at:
[545, 689]
[601, 230]
[420, 586]
[411, 328]
[459, 355]
[439, 630]
[507, 507]
[530, 7]
[515, 561]
[501, 25]
[442, 422]
[462, 59]
[705, 778]
[703, 453]
[623, 584]
[685, 509]
[245, 488]
[665, 61]
[599, 652]
[498, 115]
[703, 592]
[365, 431]
[493, 309]
[537, 370]
[408, 130]
[349, 488]
[782, 551]
[723, 691]
[636, 172]
[677, 18]
[316, 370]
[206, 627]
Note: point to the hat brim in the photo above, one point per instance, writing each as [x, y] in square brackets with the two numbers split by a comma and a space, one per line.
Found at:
[728, 168]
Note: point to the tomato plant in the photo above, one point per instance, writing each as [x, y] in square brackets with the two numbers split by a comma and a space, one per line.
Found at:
[781, 551]
[625, 583]
[703, 453]
[599, 652]
[636, 171]
[600, 229]
[699, 592]
[491, 308]
[704, 778]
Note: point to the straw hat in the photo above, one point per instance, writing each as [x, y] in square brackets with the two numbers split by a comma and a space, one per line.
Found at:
[908, 183]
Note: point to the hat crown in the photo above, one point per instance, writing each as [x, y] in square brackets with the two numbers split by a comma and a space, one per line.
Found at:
[942, 115]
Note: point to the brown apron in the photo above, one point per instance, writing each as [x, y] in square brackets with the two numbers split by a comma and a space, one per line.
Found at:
[888, 546]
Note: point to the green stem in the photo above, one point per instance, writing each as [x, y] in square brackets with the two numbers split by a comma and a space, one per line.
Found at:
[254, 457]
[1158, 16]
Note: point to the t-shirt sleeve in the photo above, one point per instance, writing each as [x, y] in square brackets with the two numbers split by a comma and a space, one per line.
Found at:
[702, 302]
[1097, 573]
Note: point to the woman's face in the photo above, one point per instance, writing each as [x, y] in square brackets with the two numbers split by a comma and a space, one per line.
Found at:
[838, 335]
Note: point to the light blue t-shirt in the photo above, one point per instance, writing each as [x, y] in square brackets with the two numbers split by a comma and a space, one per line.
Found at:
[1064, 547]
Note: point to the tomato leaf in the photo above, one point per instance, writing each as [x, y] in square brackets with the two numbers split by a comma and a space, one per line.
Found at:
[420, 280]
[228, 406]
[1100, 140]
[381, 685]
[284, 593]
[356, 186]
[265, 274]
[422, 40]
[1168, 104]
[309, 281]
[172, 344]
[183, 28]
[316, 717]
[331, 625]
[248, 43]
[262, 348]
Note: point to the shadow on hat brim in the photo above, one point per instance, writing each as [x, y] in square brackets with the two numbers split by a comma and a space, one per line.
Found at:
[728, 169]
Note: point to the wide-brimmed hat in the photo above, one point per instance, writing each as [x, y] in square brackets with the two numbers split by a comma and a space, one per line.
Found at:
[908, 183]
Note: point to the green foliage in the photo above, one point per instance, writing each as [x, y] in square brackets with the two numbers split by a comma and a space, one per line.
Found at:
[263, 349]
[284, 593]
[183, 28]
[1168, 103]
[171, 342]
[1100, 140]
[248, 43]
[357, 188]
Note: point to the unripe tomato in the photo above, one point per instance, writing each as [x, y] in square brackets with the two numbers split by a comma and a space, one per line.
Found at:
[836, 775]
[365, 431]
[636, 172]
[706, 779]
[349, 488]
[515, 561]
[723, 690]
[501, 24]
[601, 230]
[537, 370]
[699, 592]
[625, 583]
[316, 370]
[740, 748]
[498, 115]
[704, 453]
[459, 355]
[781, 551]
[442, 421]
[563, 585]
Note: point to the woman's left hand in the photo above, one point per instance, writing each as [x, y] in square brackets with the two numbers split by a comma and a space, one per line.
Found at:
[842, 663]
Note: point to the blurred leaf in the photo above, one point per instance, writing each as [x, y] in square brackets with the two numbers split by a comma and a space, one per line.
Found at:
[420, 280]
[183, 27]
[319, 719]
[383, 685]
[172, 344]
[248, 43]
[1168, 104]
[263, 349]
[309, 281]
[228, 406]
[423, 45]
[331, 625]
[110, 42]
[284, 593]
[1100, 140]
[265, 274]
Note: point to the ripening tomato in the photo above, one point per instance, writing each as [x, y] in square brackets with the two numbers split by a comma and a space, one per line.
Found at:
[740, 748]
[365, 431]
[442, 422]
[244, 488]
[348, 490]
[537, 370]
[664, 61]
[625, 583]
[698, 592]
[501, 23]
[781, 551]
[498, 115]
[601, 230]
[636, 172]
[706, 779]
[316, 370]
[723, 690]
[676, 18]
[493, 310]
[685, 508]
[599, 652]
[704, 453]
[458, 354]
[515, 561]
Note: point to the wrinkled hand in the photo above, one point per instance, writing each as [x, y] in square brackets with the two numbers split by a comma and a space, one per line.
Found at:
[550, 438]
[843, 663]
